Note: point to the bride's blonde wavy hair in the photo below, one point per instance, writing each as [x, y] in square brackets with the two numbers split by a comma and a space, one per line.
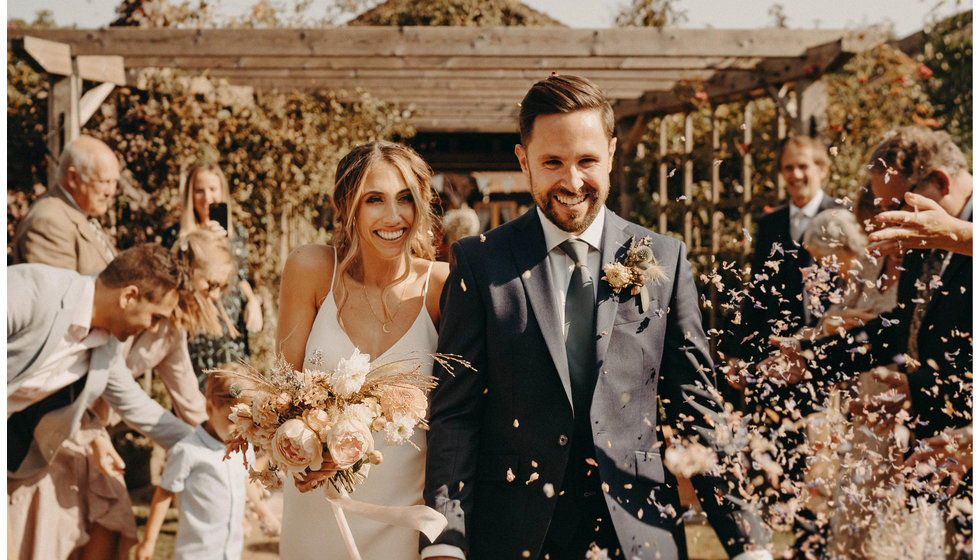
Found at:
[349, 191]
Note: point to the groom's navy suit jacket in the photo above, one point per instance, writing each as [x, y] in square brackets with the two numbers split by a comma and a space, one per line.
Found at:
[500, 435]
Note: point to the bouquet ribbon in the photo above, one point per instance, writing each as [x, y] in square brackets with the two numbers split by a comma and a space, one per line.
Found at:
[424, 519]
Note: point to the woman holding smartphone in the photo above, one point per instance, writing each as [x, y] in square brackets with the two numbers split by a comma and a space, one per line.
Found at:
[205, 204]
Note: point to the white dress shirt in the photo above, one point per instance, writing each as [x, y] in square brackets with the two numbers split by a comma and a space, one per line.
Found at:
[799, 218]
[70, 359]
[560, 265]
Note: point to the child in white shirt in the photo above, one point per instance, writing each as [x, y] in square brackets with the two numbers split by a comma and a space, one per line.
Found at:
[212, 490]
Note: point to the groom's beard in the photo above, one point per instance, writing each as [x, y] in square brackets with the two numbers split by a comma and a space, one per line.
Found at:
[559, 215]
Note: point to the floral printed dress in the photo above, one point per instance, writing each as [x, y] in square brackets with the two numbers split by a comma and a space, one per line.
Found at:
[209, 352]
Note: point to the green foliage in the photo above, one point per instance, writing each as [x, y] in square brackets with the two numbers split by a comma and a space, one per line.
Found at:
[778, 14]
[875, 92]
[651, 13]
[949, 58]
[162, 13]
[471, 13]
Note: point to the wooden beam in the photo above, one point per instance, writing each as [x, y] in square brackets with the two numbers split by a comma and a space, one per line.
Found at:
[459, 41]
[535, 66]
[102, 69]
[51, 57]
[92, 100]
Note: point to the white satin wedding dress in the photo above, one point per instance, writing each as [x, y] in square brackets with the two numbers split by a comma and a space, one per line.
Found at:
[309, 530]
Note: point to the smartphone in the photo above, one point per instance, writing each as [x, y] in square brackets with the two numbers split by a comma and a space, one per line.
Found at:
[218, 212]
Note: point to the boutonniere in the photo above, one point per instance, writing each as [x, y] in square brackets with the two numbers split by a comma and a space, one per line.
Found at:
[637, 267]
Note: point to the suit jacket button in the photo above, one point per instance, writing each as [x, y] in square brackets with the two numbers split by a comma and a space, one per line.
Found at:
[563, 440]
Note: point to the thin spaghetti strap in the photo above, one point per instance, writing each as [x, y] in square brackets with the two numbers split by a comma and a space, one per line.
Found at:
[425, 288]
[329, 294]
[334, 273]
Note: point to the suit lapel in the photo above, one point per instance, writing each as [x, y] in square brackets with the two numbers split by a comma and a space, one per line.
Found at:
[532, 262]
[59, 327]
[82, 225]
[614, 245]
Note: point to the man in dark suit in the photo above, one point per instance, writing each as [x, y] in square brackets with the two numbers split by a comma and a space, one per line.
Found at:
[929, 334]
[555, 443]
[775, 303]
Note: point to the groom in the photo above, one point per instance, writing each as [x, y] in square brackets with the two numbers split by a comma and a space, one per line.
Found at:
[554, 443]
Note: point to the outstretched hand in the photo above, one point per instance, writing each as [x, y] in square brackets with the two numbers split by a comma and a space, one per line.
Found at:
[947, 455]
[890, 401]
[926, 226]
[788, 366]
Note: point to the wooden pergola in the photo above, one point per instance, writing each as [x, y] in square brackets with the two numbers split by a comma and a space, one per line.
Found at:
[466, 79]
[462, 85]
[458, 82]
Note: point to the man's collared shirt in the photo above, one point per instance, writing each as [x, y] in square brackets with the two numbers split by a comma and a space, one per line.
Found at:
[561, 265]
[70, 359]
[799, 218]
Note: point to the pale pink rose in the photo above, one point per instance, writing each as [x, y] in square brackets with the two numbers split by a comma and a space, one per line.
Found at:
[349, 441]
[263, 411]
[409, 401]
[296, 447]
[319, 421]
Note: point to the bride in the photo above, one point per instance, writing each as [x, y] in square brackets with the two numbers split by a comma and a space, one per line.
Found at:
[378, 291]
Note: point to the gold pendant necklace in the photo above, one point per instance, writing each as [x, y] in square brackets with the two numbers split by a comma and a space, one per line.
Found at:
[384, 324]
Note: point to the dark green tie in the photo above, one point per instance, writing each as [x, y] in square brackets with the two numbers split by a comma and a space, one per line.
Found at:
[928, 282]
[580, 331]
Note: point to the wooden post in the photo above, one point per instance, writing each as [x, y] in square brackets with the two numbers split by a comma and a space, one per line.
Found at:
[68, 110]
[780, 134]
[716, 214]
[747, 174]
[688, 179]
[662, 177]
[811, 108]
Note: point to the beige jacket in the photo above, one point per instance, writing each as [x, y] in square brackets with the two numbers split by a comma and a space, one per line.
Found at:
[56, 232]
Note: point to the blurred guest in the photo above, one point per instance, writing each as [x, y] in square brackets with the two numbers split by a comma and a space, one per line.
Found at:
[64, 350]
[774, 303]
[62, 228]
[212, 491]
[97, 514]
[851, 461]
[206, 205]
[928, 335]
[457, 224]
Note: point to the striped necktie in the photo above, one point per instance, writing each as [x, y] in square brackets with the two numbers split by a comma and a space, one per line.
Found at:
[103, 238]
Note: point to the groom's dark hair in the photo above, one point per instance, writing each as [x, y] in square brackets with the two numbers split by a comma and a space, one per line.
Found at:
[563, 94]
